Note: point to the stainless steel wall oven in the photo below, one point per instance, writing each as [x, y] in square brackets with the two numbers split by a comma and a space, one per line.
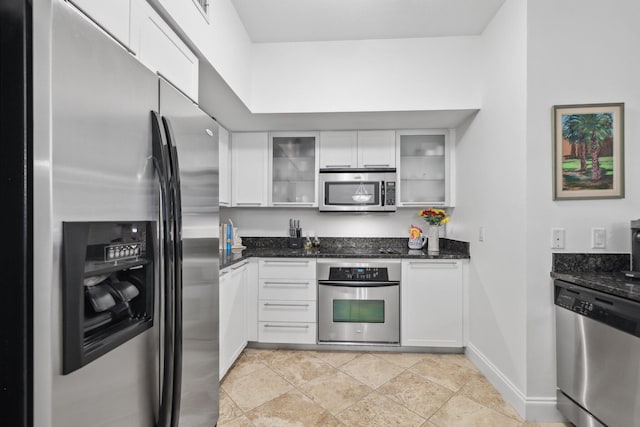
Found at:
[359, 302]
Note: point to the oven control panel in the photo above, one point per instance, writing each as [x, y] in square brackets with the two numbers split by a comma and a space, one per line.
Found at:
[378, 274]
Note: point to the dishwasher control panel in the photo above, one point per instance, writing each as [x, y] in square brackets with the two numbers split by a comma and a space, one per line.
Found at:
[617, 312]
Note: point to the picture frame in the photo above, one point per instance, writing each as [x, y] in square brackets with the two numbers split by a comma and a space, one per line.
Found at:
[588, 151]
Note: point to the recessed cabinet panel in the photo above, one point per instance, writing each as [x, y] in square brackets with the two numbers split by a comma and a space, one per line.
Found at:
[249, 162]
[432, 303]
[376, 149]
[338, 149]
[112, 16]
[161, 50]
[233, 315]
[293, 169]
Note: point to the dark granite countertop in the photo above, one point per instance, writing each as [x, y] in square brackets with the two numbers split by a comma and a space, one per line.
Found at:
[601, 272]
[343, 248]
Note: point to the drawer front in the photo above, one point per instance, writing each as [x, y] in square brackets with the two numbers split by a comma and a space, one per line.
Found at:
[287, 311]
[287, 332]
[287, 289]
[287, 268]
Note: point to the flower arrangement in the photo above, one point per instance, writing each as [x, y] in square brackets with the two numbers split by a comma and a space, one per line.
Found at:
[434, 216]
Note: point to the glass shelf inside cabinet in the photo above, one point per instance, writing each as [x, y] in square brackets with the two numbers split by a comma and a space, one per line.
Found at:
[293, 174]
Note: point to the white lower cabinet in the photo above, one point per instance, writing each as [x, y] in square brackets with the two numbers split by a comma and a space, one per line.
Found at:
[252, 300]
[233, 314]
[287, 332]
[432, 303]
[287, 301]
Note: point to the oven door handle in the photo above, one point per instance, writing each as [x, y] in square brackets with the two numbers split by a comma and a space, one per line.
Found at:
[357, 284]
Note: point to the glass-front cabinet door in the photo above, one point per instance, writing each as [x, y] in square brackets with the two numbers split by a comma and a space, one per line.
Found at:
[423, 166]
[294, 168]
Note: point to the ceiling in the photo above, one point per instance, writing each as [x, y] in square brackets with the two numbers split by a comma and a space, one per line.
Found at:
[272, 21]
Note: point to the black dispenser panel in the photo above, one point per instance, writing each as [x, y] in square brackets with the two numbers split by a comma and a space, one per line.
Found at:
[108, 284]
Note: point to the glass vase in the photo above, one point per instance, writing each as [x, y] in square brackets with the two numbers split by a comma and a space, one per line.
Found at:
[433, 244]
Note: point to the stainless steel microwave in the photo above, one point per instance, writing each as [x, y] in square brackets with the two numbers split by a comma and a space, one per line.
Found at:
[357, 190]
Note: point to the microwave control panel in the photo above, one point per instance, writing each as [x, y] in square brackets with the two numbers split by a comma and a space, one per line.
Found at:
[390, 193]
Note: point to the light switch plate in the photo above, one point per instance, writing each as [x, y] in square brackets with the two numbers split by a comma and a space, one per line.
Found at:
[557, 238]
[598, 238]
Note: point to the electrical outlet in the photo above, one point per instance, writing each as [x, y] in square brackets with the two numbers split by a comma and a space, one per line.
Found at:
[598, 238]
[557, 238]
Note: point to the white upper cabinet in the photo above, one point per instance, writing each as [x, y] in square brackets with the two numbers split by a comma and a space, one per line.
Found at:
[358, 149]
[112, 16]
[160, 49]
[224, 154]
[249, 163]
[424, 158]
[377, 149]
[293, 168]
[339, 149]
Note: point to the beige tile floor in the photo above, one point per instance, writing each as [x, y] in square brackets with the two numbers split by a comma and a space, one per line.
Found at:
[269, 388]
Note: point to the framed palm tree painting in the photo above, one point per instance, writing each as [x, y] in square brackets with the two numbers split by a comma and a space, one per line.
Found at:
[588, 158]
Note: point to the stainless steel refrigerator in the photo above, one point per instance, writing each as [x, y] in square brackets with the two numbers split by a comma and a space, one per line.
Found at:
[116, 143]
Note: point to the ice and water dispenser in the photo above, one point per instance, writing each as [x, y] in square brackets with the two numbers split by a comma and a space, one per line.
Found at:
[635, 245]
[108, 284]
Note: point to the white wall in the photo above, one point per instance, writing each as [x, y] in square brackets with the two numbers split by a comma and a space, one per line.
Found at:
[223, 41]
[274, 222]
[491, 164]
[365, 75]
[578, 52]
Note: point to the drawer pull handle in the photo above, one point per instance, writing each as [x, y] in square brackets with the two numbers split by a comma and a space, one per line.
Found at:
[287, 283]
[240, 266]
[288, 326]
[338, 166]
[433, 264]
[248, 204]
[384, 165]
[285, 262]
[268, 304]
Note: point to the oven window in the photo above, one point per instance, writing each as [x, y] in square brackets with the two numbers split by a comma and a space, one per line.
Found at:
[358, 311]
[365, 193]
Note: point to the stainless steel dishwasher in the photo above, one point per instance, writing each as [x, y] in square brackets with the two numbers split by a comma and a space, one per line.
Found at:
[598, 357]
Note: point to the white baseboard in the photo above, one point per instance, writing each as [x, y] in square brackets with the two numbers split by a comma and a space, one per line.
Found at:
[533, 408]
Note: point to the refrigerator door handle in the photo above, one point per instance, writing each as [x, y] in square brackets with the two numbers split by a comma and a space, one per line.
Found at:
[161, 163]
[177, 218]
